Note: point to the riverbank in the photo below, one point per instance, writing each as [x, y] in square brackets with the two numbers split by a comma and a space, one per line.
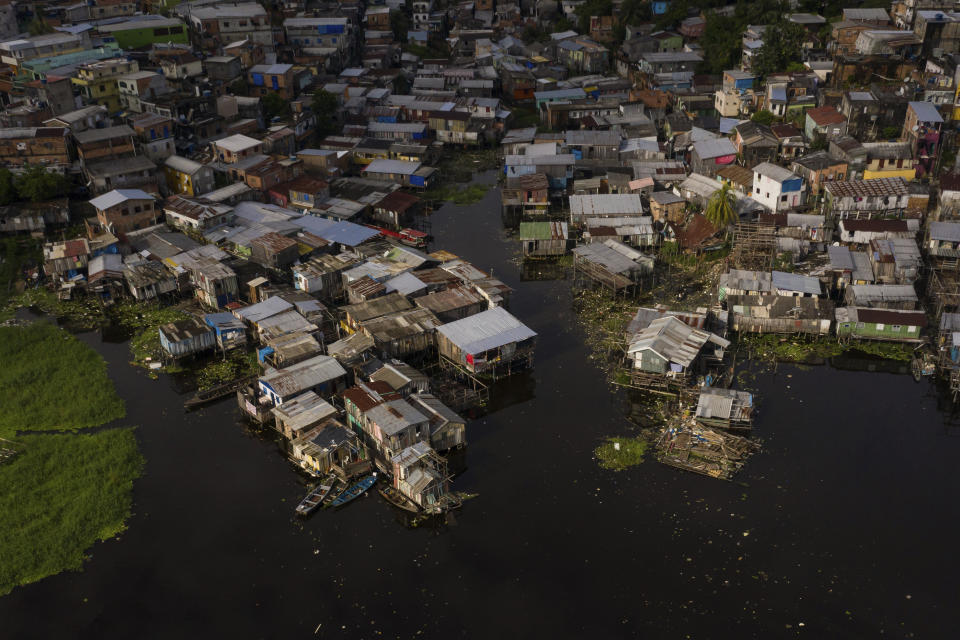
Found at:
[62, 491]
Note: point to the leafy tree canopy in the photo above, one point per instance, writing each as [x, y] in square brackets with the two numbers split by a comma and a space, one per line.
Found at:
[37, 184]
[764, 117]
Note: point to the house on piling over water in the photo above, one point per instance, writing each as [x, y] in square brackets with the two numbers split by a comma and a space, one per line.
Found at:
[421, 475]
[612, 264]
[229, 331]
[186, 337]
[543, 239]
[355, 314]
[297, 416]
[491, 344]
[882, 296]
[447, 429]
[725, 408]
[453, 304]
[320, 374]
[328, 447]
[897, 325]
[780, 314]
[673, 351]
[404, 333]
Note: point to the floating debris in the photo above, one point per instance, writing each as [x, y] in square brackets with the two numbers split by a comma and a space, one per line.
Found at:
[702, 450]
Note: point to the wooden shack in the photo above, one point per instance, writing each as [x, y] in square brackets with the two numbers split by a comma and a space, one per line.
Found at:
[274, 250]
[403, 333]
[321, 276]
[453, 303]
[447, 429]
[725, 408]
[491, 343]
[354, 314]
[186, 337]
[297, 416]
[894, 325]
[543, 239]
[780, 314]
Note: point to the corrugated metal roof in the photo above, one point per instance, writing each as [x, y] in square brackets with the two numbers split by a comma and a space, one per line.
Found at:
[604, 255]
[118, 196]
[784, 281]
[607, 204]
[263, 310]
[775, 172]
[486, 330]
[884, 292]
[926, 112]
[840, 258]
[394, 416]
[867, 188]
[949, 231]
[715, 148]
[303, 375]
[673, 340]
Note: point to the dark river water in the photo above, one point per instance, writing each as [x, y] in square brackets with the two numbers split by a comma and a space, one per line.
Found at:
[843, 527]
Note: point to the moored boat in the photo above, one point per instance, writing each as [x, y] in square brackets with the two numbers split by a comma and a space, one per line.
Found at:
[316, 497]
[355, 491]
[397, 499]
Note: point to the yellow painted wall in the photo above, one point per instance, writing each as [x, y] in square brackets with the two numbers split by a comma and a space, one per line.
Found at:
[907, 173]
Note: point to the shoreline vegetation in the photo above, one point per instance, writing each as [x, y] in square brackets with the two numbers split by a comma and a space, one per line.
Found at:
[140, 322]
[63, 491]
[604, 317]
[457, 171]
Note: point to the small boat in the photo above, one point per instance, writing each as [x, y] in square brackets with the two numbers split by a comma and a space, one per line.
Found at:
[315, 497]
[397, 499]
[355, 491]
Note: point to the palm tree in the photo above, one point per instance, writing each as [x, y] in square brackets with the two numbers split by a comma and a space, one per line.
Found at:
[722, 208]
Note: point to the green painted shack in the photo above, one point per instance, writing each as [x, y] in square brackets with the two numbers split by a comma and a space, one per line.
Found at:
[896, 325]
[141, 33]
[540, 239]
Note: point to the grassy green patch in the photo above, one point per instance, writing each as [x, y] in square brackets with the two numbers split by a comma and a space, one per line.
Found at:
[143, 321]
[61, 494]
[16, 254]
[81, 313]
[618, 454]
[239, 364]
[797, 349]
[51, 380]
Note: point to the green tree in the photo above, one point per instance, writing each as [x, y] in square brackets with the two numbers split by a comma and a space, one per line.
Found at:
[8, 192]
[399, 24]
[324, 105]
[889, 133]
[38, 26]
[721, 209]
[591, 8]
[764, 117]
[782, 43]
[274, 105]
[721, 43]
[37, 184]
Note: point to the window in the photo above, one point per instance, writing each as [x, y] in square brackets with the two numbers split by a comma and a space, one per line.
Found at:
[895, 328]
[859, 325]
[881, 326]
[783, 198]
[911, 329]
[881, 163]
[226, 24]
